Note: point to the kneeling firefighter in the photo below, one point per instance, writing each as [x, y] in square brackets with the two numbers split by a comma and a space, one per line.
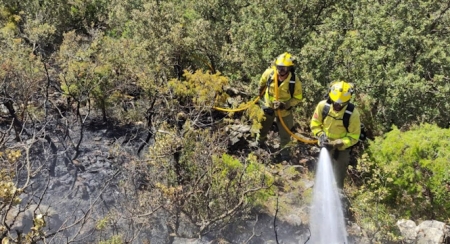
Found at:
[328, 125]
[289, 95]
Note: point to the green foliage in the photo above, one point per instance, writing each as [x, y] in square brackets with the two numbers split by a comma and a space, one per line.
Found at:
[116, 239]
[97, 70]
[42, 23]
[9, 193]
[22, 74]
[202, 88]
[259, 31]
[395, 53]
[81, 79]
[181, 54]
[103, 223]
[256, 115]
[9, 21]
[407, 176]
[251, 171]
[205, 90]
[198, 177]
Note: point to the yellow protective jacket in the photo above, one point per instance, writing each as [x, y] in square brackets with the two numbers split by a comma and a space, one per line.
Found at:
[333, 125]
[284, 94]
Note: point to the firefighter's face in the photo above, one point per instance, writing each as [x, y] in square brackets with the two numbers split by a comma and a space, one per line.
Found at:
[339, 106]
[282, 70]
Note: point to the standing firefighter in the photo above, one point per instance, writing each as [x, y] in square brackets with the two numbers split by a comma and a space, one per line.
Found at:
[289, 95]
[337, 124]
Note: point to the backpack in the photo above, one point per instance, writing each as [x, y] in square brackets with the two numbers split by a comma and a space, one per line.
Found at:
[291, 83]
[346, 118]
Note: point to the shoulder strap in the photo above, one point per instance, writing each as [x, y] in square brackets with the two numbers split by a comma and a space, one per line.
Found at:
[326, 109]
[291, 83]
[347, 114]
[270, 79]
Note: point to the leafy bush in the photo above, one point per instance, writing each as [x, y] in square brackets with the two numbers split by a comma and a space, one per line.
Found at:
[201, 87]
[9, 192]
[194, 173]
[407, 176]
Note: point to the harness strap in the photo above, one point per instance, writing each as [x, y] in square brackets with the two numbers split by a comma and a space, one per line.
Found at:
[348, 112]
[291, 83]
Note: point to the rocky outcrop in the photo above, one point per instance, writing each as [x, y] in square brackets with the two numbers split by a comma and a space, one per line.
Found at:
[427, 232]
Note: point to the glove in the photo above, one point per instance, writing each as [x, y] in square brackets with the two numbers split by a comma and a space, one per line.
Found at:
[336, 143]
[323, 139]
[281, 105]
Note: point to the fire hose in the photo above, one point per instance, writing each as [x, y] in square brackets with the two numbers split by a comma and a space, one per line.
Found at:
[304, 140]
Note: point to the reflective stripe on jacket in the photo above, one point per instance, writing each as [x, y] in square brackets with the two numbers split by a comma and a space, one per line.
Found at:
[333, 125]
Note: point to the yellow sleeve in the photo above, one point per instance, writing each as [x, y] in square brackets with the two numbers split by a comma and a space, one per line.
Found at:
[354, 130]
[265, 77]
[316, 120]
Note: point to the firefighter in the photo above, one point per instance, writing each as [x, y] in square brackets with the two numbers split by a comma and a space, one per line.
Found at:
[331, 130]
[289, 95]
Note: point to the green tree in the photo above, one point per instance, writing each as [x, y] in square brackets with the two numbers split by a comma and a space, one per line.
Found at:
[22, 74]
[396, 54]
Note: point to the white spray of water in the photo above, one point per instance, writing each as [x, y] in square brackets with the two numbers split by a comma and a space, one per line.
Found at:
[327, 218]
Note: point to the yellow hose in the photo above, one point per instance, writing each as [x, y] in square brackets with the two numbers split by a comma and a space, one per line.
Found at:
[237, 109]
[305, 140]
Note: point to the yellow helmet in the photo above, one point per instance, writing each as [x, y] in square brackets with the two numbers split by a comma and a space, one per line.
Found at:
[341, 91]
[284, 59]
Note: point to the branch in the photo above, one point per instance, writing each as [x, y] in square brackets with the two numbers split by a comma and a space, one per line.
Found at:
[275, 221]
[83, 219]
[253, 232]
[231, 211]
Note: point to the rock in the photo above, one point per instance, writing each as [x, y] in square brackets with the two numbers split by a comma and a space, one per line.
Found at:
[234, 140]
[356, 234]
[22, 220]
[240, 128]
[186, 228]
[430, 232]
[307, 183]
[303, 161]
[178, 240]
[294, 219]
[408, 230]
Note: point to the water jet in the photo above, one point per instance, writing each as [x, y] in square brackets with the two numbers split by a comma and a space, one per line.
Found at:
[326, 217]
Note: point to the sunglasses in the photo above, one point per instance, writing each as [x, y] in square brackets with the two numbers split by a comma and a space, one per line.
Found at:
[282, 68]
[339, 105]
[342, 104]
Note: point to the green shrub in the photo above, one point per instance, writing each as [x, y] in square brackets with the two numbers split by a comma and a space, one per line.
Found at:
[202, 180]
[407, 176]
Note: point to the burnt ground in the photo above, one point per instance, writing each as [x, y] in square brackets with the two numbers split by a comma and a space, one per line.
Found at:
[78, 169]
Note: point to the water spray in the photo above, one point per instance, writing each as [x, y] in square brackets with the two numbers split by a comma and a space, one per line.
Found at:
[327, 216]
